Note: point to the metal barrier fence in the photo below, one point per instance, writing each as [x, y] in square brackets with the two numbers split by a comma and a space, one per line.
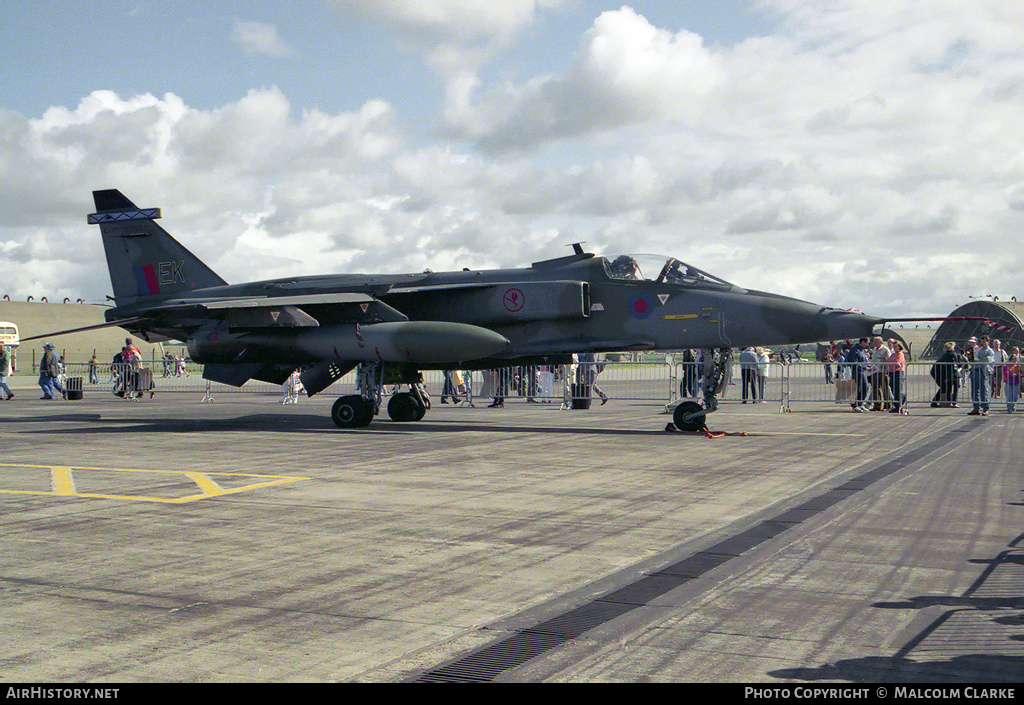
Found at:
[924, 383]
[663, 382]
[637, 381]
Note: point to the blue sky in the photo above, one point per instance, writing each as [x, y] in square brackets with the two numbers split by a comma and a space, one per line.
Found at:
[335, 58]
[854, 153]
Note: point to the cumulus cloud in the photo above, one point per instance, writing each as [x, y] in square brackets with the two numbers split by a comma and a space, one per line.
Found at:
[457, 39]
[259, 38]
[252, 190]
[626, 71]
[824, 141]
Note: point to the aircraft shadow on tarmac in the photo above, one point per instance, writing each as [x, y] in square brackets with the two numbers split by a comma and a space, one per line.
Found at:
[48, 418]
[981, 668]
[969, 624]
[304, 423]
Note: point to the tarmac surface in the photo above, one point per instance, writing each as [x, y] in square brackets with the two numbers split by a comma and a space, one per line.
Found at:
[168, 540]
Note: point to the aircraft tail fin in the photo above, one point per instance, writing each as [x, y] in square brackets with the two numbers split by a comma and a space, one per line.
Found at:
[145, 262]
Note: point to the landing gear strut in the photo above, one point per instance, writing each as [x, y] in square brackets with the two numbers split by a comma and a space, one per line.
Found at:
[691, 416]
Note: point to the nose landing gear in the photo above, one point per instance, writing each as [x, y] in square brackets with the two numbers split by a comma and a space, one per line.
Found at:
[692, 416]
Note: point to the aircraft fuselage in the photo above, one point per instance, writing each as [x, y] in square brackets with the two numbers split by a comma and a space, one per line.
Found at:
[563, 306]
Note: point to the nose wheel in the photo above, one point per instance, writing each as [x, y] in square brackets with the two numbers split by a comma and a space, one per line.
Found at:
[689, 416]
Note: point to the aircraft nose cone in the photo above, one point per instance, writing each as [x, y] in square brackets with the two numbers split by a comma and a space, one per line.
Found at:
[804, 322]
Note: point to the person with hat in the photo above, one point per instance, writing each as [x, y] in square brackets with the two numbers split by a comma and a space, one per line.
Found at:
[48, 373]
[972, 344]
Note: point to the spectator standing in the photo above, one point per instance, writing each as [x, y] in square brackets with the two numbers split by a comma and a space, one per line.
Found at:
[5, 371]
[981, 372]
[547, 383]
[448, 388]
[997, 368]
[589, 369]
[501, 382]
[748, 374]
[858, 361]
[1011, 379]
[879, 386]
[569, 379]
[763, 361]
[897, 369]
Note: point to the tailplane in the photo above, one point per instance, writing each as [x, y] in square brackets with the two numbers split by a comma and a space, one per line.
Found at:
[145, 262]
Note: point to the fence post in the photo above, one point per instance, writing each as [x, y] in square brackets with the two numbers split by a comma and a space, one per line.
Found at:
[673, 378]
[785, 401]
[209, 393]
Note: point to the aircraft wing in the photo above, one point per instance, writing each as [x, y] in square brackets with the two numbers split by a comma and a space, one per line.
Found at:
[280, 311]
[83, 329]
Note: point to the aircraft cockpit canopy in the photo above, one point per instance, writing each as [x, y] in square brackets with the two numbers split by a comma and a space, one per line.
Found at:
[669, 270]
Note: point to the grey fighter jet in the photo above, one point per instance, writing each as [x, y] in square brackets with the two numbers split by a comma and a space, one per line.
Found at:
[395, 326]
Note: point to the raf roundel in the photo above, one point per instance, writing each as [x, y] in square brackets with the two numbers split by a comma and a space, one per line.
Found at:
[640, 306]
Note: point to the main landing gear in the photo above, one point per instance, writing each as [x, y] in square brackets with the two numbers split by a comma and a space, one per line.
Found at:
[353, 411]
[358, 410]
[409, 406]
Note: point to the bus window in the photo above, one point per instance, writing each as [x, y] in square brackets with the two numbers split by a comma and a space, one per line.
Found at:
[9, 334]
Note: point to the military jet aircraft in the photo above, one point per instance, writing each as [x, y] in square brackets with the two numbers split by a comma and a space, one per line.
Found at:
[394, 326]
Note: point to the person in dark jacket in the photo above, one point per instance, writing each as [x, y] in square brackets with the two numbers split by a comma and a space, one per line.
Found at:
[858, 360]
[49, 374]
[946, 374]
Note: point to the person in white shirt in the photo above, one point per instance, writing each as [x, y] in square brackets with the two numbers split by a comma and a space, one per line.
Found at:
[879, 384]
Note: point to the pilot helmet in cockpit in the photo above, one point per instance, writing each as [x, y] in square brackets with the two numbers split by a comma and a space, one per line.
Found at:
[624, 267]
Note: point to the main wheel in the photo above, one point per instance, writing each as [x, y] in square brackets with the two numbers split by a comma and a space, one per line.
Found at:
[351, 412]
[685, 420]
[404, 407]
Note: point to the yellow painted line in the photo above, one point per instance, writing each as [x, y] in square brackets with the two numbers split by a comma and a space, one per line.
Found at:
[681, 316]
[63, 483]
[208, 486]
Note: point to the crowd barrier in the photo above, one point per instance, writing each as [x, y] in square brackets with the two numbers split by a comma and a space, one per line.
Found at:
[664, 382]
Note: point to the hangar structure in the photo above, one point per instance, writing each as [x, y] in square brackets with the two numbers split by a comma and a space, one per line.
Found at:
[1000, 320]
